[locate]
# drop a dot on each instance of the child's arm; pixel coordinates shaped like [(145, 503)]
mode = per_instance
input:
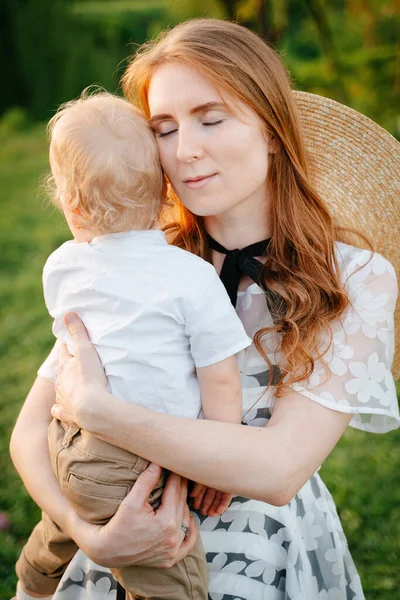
[(221, 398), (216, 335), (221, 391)]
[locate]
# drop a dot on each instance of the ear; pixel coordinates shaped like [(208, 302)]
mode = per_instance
[(65, 202), (270, 139), (272, 143), (73, 215), (75, 218)]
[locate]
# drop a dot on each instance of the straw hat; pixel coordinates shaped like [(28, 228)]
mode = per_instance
[(356, 167)]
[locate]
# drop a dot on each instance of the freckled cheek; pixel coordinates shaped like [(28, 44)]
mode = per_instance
[(242, 148), (252, 155), (241, 159), (246, 171)]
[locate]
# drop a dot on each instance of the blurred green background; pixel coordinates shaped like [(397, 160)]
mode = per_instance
[(49, 51)]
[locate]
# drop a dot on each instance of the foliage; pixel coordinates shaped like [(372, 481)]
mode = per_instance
[(346, 50), (52, 49), (186, 9), (14, 119)]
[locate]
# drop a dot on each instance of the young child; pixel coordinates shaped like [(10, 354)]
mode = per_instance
[(160, 319)]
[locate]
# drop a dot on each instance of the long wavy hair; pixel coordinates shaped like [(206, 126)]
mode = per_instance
[(301, 266)]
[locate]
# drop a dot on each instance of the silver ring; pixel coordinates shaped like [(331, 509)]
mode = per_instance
[(185, 529)]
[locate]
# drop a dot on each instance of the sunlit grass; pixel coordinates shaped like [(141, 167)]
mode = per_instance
[(30, 230)]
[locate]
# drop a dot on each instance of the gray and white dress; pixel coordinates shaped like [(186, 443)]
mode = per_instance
[(256, 551)]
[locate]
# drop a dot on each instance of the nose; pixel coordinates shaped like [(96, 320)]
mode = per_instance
[(189, 147)]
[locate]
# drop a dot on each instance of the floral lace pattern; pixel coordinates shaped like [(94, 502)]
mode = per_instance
[(361, 354), (256, 551)]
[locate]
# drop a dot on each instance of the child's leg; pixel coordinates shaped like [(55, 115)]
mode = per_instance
[(187, 580), (44, 558), (48, 550), (95, 477), (22, 595)]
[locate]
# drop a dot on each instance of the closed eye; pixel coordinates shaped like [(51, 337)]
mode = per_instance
[(211, 123), (206, 124), (161, 135)]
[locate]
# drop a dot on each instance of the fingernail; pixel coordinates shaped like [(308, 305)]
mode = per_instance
[(70, 318), (152, 468)]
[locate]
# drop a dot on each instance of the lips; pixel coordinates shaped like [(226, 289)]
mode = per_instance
[(199, 178), (195, 183)]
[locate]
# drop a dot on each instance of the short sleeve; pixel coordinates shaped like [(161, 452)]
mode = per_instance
[(359, 360), (215, 331), (57, 290), (48, 369)]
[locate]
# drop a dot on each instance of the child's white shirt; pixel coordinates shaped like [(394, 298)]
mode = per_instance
[(153, 311)]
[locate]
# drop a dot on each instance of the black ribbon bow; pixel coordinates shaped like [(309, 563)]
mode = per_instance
[(238, 262)]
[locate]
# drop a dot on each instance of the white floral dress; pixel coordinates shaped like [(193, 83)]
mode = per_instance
[(256, 551)]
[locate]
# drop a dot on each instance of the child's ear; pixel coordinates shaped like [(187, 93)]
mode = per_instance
[(76, 218), (73, 215)]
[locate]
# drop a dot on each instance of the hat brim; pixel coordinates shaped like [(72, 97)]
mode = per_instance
[(355, 165)]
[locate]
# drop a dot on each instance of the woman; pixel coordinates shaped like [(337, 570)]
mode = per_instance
[(230, 143)]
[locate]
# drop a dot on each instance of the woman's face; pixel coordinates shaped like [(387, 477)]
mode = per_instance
[(215, 160)]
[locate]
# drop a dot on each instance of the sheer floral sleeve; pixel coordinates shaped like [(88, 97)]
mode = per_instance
[(359, 360)]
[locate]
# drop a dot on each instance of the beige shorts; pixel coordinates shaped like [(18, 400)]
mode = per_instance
[(95, 477)]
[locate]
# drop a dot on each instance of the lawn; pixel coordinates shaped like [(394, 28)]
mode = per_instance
[(362, 473)]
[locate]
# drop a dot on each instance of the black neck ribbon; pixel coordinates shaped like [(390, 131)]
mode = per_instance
[(242, 262), (238, 262)]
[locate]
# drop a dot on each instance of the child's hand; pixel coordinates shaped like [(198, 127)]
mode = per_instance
[(210, 502)]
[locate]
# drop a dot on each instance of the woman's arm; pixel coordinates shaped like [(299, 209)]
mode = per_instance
[(136, 534), (30, 454), (269, 464)]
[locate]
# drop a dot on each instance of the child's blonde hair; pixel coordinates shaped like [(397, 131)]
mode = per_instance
[(105, 164)]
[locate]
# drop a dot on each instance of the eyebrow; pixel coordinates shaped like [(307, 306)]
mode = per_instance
[(197, 109)]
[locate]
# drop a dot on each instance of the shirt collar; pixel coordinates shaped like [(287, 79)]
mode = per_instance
[(152, 237)]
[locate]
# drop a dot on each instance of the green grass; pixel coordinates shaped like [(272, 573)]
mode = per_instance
[(29, 232), (362, 473)]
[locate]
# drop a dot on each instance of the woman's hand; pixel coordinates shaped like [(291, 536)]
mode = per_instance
[(80, 379), (137, 534)]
